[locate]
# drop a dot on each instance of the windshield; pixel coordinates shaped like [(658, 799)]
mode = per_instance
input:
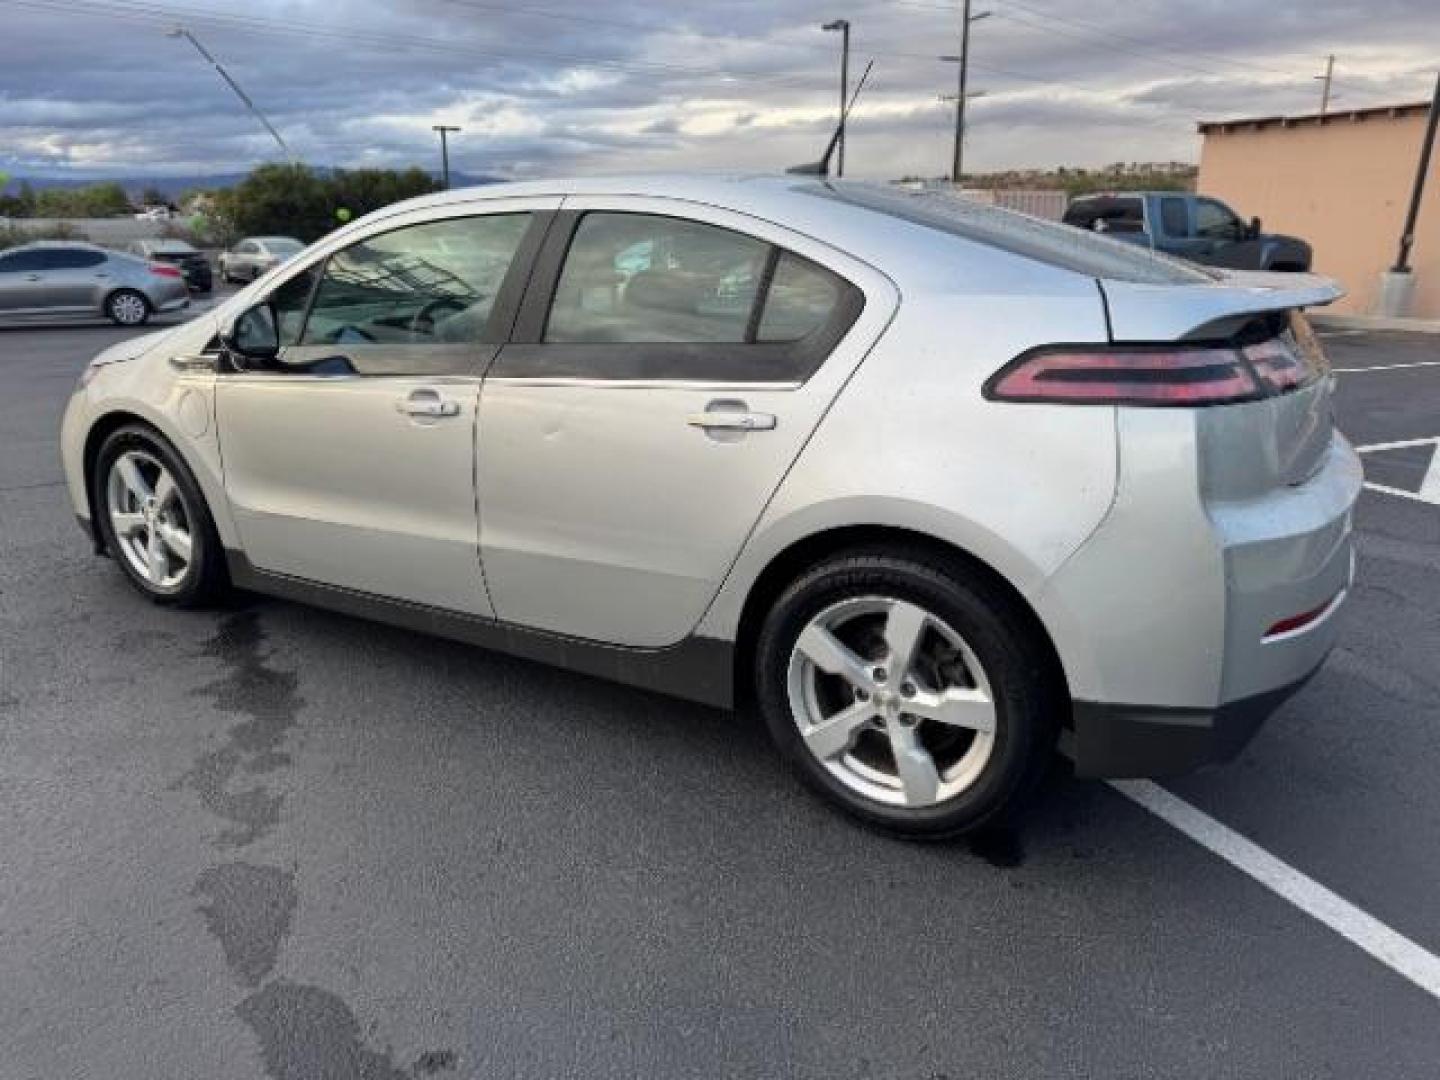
[(1048, 242), (282, 245)]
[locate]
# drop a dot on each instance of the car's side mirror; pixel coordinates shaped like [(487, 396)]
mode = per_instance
[(255, 333), (1254, 228)]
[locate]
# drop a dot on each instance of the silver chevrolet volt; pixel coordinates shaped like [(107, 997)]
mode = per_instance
[(936, 487)]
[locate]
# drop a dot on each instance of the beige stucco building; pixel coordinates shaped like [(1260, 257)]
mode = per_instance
[(1342, 182)]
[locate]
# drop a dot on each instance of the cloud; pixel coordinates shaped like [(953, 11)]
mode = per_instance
[(750, 84)]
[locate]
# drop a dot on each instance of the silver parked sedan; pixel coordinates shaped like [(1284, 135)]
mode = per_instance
[(255, 255), (65, 278), (938, 487)]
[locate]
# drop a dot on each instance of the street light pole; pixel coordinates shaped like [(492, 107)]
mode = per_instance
[(1417, 193), (963, 60), (1325, 81), (181, 32), (444, 130), (843, 25)]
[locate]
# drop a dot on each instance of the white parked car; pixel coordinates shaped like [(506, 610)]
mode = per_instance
[(938, 486), (255, 255)]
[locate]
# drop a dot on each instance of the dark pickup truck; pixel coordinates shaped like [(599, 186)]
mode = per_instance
[(1194, 227)]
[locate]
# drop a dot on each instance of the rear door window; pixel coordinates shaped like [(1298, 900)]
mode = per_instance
[(801, 299), (641, 297), (1175, 216), (75, 259), (641, 278), (66, 259)]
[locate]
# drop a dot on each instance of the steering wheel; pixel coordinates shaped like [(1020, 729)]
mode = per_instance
[(423, 321)]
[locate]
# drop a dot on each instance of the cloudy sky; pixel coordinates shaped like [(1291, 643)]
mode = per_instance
[(562, 86)]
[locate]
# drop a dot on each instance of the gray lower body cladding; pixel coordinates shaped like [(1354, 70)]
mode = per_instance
[(1140, 741)]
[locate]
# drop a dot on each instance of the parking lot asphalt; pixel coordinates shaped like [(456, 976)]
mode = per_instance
[(269, 841)]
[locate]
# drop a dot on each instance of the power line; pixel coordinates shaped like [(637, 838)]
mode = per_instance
[(157, 14), (1103, 37)]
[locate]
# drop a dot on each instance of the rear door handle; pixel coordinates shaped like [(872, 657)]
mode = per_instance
[(730, 419), (427, 403), (32, 277)]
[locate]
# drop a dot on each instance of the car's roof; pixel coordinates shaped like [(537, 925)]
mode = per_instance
[(1130, 194), (31, 244)]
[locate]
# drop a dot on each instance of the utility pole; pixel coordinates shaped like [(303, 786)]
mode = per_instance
[(444, 130), (1407, 238), (963, 60), (843, 25), (181, 32), (1325, 81)]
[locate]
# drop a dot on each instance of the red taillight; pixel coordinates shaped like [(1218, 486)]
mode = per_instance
[(1127, 375), (163, 270)]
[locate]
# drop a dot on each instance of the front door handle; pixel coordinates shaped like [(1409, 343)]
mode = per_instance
[(32, 277), (428, 404), (731, 416)]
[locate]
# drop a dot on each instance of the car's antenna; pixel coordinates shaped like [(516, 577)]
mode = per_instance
[(822, 167)]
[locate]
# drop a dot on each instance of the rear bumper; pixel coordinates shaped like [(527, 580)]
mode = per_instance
[(1176, 622), (1138, 740)]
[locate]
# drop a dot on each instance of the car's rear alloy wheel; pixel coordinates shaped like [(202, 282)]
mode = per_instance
[(890, 699), (917, 696), (128, 308), (150, 519), (154, 520)]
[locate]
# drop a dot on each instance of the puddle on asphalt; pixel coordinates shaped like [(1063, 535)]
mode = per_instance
[(305, 1032)]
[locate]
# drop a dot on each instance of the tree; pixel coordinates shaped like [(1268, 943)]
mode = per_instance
[(295, 200), (288, 200), (363, 190), (95, 200), (153, 196)]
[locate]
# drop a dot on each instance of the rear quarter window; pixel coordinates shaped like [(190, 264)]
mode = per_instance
[(1048, 242)]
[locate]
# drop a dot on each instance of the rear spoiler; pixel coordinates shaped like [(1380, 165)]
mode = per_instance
[(1208, 311)]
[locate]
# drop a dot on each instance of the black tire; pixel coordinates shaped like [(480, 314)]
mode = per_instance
[(1028, 695), (205, 579), (120, 304)]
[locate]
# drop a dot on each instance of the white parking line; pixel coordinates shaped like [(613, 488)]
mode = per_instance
[(1392, 949), (1385, 367), (1429, 492)]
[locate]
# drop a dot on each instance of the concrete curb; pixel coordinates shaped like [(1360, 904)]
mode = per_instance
[(1321, 321)]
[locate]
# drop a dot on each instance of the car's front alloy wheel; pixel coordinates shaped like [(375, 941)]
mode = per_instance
[(910, 692), (150, 519), (154, 520)]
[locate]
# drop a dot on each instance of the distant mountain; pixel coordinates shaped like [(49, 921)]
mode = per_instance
[(173, 186)]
